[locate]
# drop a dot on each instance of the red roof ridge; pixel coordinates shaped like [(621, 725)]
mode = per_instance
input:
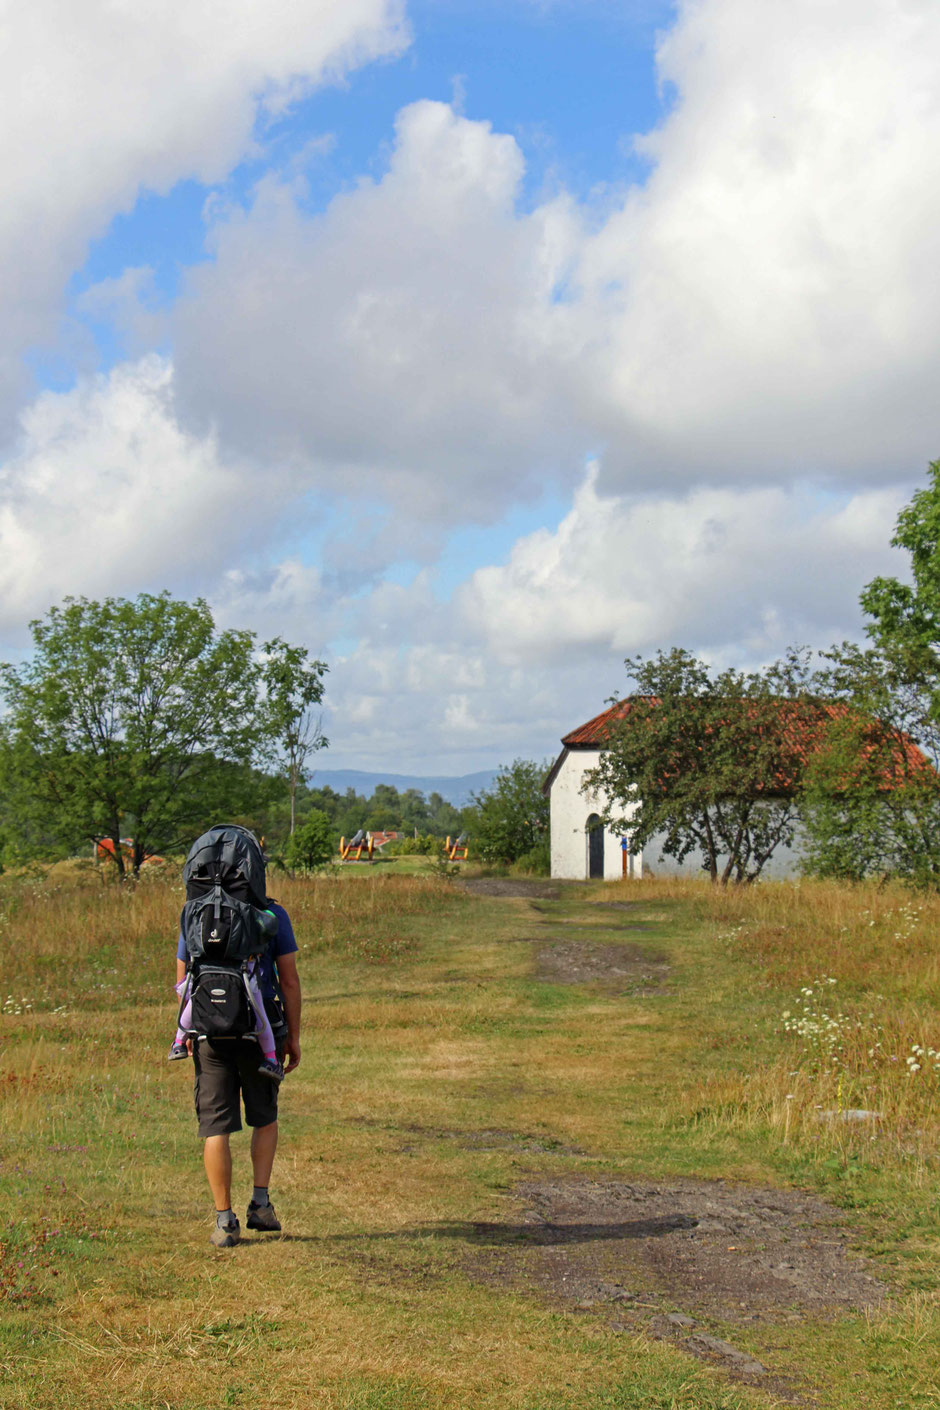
[(595, 732)]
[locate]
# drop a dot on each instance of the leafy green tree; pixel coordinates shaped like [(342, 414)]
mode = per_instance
[(415, 814), (311, 844), (905, 617), (872, 804), (326, 799), (511, 818), (872, 794), (351, 813), (130, 717), (709, 762), (444, 819), (386, 810), (871, 799), (294, 688)]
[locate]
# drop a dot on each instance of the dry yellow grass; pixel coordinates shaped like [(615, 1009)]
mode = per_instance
[(408, 1045), (856, 973)]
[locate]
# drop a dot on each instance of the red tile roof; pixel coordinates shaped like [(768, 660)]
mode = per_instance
[(595, 732), (908, 758)]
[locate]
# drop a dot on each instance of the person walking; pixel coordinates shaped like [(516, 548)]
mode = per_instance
[(227, 1075)]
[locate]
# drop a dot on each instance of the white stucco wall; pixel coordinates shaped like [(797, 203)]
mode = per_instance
[(784, 865), (570, 810)]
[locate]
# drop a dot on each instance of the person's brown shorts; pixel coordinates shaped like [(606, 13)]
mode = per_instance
[(227, 1071)]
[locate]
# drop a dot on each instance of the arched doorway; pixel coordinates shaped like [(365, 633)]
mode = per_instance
[(595, 847)]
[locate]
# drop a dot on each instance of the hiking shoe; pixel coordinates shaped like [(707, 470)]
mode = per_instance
[(270, 1069), (178, 1052), (262, 1216), (226, 1235)]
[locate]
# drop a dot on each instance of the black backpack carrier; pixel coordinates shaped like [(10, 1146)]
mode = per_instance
[(224, 922)]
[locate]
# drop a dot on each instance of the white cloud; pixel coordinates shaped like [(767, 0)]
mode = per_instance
[(765, 307), (763, 316), (736, 573), (98, 101), (531, 647), (415, 710), (287, 599), (393, 341), (776, 307), (106, 494)]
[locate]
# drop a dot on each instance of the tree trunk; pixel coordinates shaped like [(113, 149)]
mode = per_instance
[(729, 867), (710, 852), (733, 858), (115, 836)]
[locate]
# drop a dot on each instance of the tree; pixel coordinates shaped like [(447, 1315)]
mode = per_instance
[(446, 820), (414, 811), (311, 845), (871, 795), (904, 617), (350, 813), (294, 686), (131, 716), (872, 803), (512, 816), (708, 762)]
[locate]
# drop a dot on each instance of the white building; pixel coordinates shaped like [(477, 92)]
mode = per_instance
[(582, 848)]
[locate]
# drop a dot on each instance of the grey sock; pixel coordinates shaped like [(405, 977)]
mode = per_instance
[(260, 1195), (225, 1218)]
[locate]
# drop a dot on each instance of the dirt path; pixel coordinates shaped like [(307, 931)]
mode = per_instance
[(619, 964), (672, 1258), (669, 1258), (511, 887)]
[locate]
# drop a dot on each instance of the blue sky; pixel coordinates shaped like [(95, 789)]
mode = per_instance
[(573, 82), (299, 276)]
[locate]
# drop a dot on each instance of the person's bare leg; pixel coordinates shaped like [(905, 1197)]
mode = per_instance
[(263, 1146), (217, 1158)]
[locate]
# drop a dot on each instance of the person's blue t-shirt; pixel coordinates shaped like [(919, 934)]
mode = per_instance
[(283, 943)]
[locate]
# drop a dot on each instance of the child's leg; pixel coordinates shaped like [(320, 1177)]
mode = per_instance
[(184, 989), (263, 1031)]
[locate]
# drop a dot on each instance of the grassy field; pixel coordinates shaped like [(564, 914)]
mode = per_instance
[(469, 1060)]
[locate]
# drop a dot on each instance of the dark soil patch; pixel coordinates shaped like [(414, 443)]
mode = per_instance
[(619, 964), (740, 1251), (513, 887), (633, 1254)]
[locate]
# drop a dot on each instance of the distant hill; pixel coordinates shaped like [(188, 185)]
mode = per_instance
[(455, 790)]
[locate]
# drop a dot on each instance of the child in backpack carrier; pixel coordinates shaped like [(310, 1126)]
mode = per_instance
[(269, 1065)]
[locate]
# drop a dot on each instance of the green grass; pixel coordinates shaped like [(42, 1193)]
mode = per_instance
[(421, 1021)]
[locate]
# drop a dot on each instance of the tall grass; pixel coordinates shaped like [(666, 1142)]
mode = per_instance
[(76, 938), (842, 983), (848, 976), (365, 917), (110, 1295)]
